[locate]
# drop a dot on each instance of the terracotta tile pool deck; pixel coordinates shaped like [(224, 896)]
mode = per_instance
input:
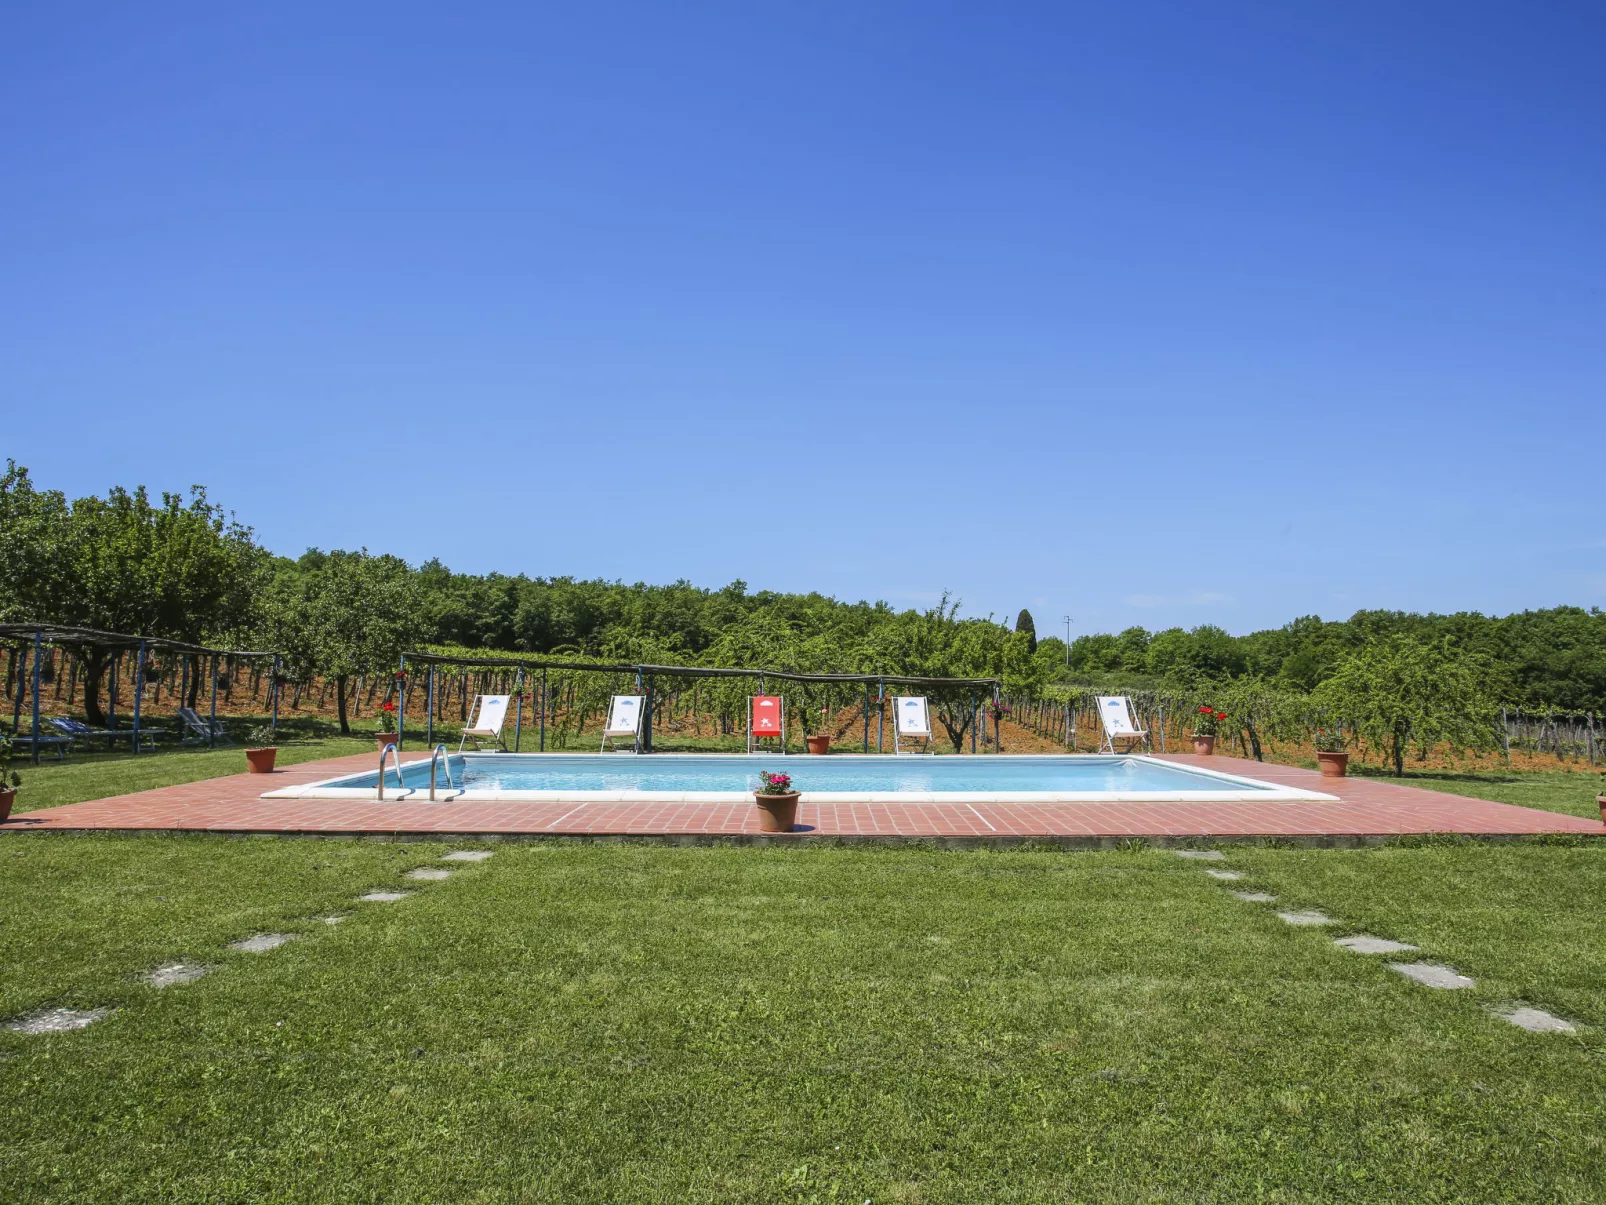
[(1367, 810)]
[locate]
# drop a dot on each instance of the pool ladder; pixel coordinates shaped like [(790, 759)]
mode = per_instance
[(443, 757), (390, 749)]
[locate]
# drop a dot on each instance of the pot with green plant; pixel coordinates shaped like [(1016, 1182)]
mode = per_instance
[(386, 733), (10, 780), (1601, 799), (819, 740), (777, 802), (261, 750), (1331, 755), (1206, 727)]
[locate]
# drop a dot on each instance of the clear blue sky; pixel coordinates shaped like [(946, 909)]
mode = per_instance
[(1159, 314)]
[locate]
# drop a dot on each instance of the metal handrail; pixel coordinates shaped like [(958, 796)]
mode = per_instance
[(440, 755), (400, 783)]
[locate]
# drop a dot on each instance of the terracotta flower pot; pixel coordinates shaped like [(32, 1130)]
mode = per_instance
[(384, 738), (1204, 746), (1600, 799), (7, 798), (261, 760), (1334, 765), (777, 813), (820, 743)]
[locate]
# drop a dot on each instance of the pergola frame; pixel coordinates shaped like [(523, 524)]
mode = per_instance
[(35, 636), (644, 673)]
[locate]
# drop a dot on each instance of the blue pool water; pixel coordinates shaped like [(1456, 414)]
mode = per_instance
[(728, 772)]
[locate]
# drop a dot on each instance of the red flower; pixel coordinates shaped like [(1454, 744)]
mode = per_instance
[(1205, 711), (390, 707)]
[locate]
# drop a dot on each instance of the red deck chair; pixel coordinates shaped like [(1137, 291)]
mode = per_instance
[(766, 720)]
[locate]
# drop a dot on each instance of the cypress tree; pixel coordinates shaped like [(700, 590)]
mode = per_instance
[(1023, 623)]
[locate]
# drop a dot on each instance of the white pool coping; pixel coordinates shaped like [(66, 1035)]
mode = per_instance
[(1232, 789)]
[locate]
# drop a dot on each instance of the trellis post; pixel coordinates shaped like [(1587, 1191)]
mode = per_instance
[(867, 715), (429, 706), (518, 715), (139, 694), (543, 709), (401, 704), (646, 723), (275, 720), (37, 641), (880, 711), (211, 728)]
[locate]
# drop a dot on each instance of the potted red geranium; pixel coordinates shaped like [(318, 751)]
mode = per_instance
[(1206, 726), (777, 802), (386, 733)]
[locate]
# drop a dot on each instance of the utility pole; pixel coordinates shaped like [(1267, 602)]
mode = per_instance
[(1067, 619)]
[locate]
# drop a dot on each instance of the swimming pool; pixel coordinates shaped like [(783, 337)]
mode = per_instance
[(839, 778)]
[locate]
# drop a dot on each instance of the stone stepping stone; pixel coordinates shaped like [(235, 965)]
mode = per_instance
[(430, 874), (1201, 855), (384, 897), (171, 974), (1254, 897), (261, 943), (58, 1020), (1364, 944), (1307, 916), (1537, 1020), (1224, 875), (333, 918), (1429, 975), (467, 855)]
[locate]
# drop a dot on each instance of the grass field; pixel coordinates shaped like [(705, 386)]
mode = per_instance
[(1550, 790), (618, 1023), (607, 1023)]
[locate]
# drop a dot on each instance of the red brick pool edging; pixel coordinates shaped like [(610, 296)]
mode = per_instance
[(1366, 810)]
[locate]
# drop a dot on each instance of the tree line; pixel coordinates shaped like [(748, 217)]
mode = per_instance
[(179, 566), (1543, 658)]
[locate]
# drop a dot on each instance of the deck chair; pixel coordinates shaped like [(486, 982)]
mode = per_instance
[(25, 739), (766, 720), (913, 714), (1115, 714), (624, 720), (77, 730), (201, 728), (490, 713)]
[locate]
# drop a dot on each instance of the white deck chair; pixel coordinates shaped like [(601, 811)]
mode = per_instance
[(1115, 714), (490, 713), (913, 721), (201, 728), (624, 719)]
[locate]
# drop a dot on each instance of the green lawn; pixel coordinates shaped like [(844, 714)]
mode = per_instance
[(1551, 791), (646, 1023), (94, 774)]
